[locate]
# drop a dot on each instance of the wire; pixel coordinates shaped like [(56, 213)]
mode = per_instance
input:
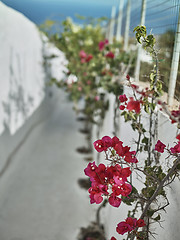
[(161, 26), (158, 19), (151, 14), (158, 4)]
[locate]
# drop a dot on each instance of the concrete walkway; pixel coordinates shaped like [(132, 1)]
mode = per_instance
[(39, 195)]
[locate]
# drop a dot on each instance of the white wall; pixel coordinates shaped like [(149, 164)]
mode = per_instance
[(22, 72)]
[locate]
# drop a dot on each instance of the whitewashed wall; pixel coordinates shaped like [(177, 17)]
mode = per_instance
[(110, 215), (22, 72)]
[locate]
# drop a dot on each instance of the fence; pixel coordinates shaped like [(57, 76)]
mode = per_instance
[(161, 18)]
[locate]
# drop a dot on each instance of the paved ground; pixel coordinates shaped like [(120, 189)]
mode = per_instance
[(39, 195)]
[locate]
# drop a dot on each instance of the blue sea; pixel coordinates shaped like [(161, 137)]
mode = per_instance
[(161, 15)]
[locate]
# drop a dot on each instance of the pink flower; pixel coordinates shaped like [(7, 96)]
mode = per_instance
[(123, 98), (123, 227), (115, 140), (127, 77), (83, 60), (79, 89), (132, 222), (103, 144), (113, 238), (134, 105), (178, 137), (121, 107), (90, 170), (140, 223), (88, 58), (98, 145), (107, 142), (176, 148), (82, 54), (95, 195), (159, 147), (96, 98), (126, 189), (89, 82), (129, 225), (114, 201), (110, 55), (102, 44)]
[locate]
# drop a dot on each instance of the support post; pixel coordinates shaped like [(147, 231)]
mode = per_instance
[(138, 61), (119, 21), (174, 65), (127, 26), (112, 24)]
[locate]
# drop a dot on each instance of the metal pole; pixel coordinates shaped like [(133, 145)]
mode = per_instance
[(119, 21), (107, 30), (138, 61), (126, 34), (112, 24), (174, 64)]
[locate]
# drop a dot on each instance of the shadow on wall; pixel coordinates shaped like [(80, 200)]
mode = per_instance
[(18, 104)]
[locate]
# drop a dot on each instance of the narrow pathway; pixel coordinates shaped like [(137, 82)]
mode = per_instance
[(39, 195)]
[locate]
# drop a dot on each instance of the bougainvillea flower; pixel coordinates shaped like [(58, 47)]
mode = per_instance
[(123, 98), (90, 170), (97, 98), (130, 157), (121, 107), (123, 227), (129, 225), (125, 172), (134, 105), (113, 238), (98, 145), (178, 137), (114, 200), (126, 189), (176, 148), (95, 195), (119, 148), (115, 140), (110, 55), (83, 60), (88, 58), (159, 147), (82, 54), (140, 223), (176, 116), (127, 77), (107, 142), (102, 44), (132, 222), (100, 171)]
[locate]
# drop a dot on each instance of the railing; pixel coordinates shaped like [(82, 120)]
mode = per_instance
[(159, 17)]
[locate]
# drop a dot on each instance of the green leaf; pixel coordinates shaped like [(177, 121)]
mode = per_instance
[(157, 218)]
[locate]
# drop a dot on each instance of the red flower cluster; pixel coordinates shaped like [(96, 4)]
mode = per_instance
[(131, 105), (160, 146), (110, 181), (178, 137), (102, 44), (176, 116), (84, 57), (176, 148), (129, 225), (110, 55), (124, 153)]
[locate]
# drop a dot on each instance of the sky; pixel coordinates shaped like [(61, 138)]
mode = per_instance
[(161, 15), (40, 10)]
